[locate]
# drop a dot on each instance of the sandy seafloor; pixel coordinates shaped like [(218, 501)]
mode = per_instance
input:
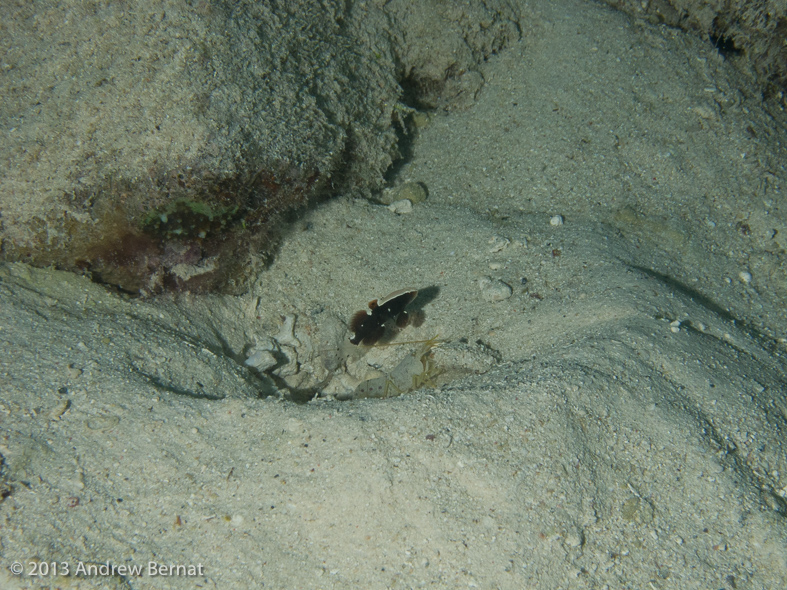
[(615, 420)]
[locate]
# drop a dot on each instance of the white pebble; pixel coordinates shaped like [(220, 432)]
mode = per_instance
[(745, 276), (498, 243), (556, 220), (574, 538), (236, 520), (262, 360), (286, 334), (401, 207), (494, 290)]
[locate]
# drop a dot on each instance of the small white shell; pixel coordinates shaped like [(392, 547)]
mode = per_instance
[(262, 360), (401, 207), (498, 243), (494, 290)]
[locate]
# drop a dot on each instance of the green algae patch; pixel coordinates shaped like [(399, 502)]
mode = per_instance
[(189, 219)]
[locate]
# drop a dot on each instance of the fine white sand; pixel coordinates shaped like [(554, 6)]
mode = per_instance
[(605, 408)]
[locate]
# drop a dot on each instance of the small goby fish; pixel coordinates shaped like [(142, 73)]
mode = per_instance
[(369, 326)]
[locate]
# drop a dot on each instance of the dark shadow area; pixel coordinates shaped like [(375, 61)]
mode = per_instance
[(725, 46), (425, 297), (406, 134), (763, 340)]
